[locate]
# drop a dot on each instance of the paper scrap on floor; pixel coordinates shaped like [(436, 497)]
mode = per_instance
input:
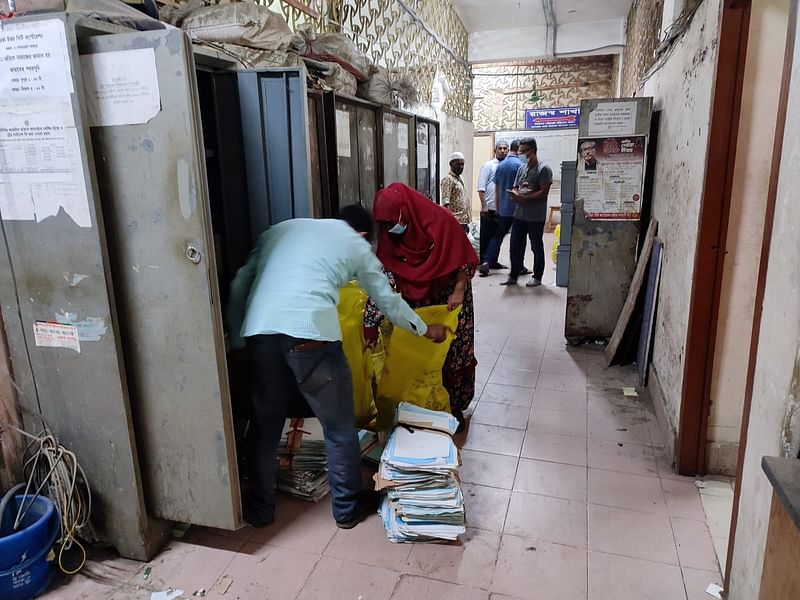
[(714, 590), (417, 416), (169, 594)]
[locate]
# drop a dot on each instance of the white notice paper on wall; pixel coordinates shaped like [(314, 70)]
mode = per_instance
[(343, 133), (56, 335), (422, 156), (16, 202), (33, 146), (35, 61), (121, 87), (613, 118), (41, 169), (402, 136)]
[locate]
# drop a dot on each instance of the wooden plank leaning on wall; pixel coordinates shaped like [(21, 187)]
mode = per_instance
[(11, 443)]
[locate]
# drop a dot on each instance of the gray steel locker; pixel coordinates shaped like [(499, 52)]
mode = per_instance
[(399, 147), (147, 404), (155, 201), (275, 113), (55, 273)]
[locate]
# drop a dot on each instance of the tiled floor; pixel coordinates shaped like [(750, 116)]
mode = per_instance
[(567, 493), (717, 496)]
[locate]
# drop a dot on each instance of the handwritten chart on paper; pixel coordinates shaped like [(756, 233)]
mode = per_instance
[(35, 61), (121, 87)]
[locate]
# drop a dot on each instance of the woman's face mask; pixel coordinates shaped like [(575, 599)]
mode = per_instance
[(399, 227)]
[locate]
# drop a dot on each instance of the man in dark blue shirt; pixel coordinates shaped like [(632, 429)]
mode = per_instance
[(504, 177)]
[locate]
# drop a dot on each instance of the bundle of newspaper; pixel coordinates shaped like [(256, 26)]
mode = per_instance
[(419, 470), (302, 462)]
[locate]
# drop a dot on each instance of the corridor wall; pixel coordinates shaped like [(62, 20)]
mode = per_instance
[(682, 90)]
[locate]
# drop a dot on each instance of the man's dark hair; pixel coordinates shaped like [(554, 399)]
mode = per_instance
[(359, 218), (530, 143), (514, 146)]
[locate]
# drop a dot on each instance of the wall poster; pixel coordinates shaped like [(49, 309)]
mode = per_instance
[(610, 177)]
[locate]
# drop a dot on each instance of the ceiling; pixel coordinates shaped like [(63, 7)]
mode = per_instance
[(491, 15)]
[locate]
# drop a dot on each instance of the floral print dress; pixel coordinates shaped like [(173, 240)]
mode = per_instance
[(458, 372)]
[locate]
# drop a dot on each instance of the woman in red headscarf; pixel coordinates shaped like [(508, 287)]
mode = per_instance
[(426, 252)]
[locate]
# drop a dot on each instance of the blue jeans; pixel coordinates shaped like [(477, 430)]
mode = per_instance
[(519, 231), (492, 253), (323, 377)]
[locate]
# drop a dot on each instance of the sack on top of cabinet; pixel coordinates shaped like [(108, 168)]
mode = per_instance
[(333, 47), (389, 88), (326, 76), (112, 11), (240, 23)]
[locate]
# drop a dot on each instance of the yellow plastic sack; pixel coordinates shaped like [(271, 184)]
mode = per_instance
[(412, 370), (352, 300), (554, 249)]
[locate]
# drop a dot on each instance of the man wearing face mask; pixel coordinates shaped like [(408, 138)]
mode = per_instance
[(454, 192), (283, 303)]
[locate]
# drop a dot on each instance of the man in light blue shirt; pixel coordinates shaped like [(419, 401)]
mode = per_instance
[(283, 302), (487, 193)]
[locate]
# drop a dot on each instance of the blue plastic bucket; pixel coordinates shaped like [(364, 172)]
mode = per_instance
[(24, 570)]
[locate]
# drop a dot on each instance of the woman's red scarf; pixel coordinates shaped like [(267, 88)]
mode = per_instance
[(433, 246)]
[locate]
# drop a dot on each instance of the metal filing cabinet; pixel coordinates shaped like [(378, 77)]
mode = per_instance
[(398, 147), (568, 170), (351, 127), (427, 148), (173, 205)]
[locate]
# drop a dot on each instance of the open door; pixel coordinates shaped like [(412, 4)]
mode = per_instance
[(156, 211)]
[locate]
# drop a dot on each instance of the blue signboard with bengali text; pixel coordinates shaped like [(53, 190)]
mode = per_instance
[(552, 118)]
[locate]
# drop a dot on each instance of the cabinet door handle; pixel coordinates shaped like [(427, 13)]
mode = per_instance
[(193, 254)]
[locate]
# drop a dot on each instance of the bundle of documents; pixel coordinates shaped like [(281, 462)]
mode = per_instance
[(419, 470), (416, 416), (302, 462)]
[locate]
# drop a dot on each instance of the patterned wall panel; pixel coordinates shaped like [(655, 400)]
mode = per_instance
[(642, 34), (504, 91), (299, 19), (411, 43)]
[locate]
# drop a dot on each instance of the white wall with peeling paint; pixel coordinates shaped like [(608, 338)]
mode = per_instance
[(682, 90)]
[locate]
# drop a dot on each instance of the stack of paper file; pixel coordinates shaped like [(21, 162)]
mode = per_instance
[(419, 470), (303, 464), (416, 416)]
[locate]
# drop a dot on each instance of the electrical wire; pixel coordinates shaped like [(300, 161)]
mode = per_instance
[(672, 36), (48, 465)]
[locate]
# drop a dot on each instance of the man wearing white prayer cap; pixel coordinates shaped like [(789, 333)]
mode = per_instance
[(454, 191)]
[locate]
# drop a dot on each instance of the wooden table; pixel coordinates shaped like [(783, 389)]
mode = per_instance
[(780, 578)]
